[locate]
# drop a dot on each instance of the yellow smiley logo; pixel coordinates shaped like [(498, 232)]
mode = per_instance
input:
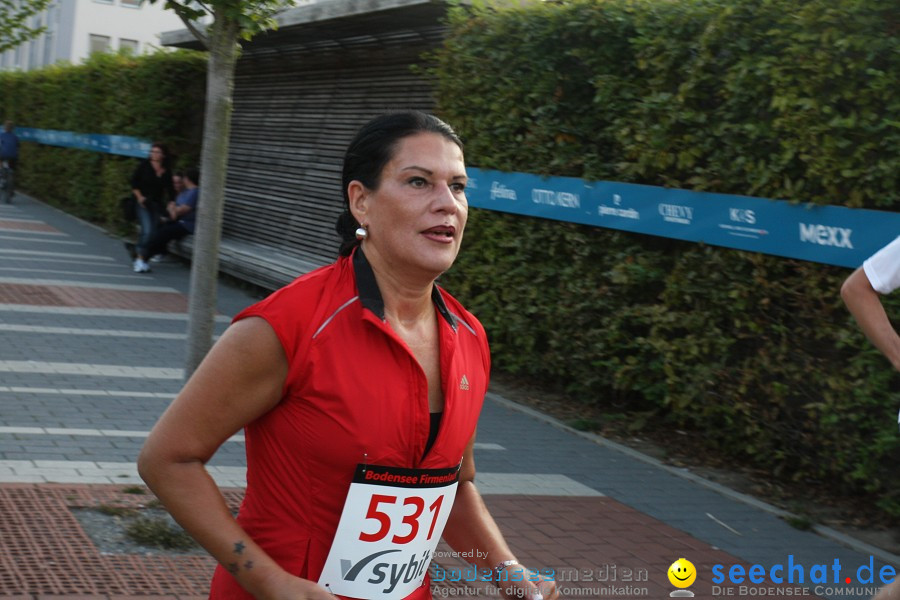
[(682, 573)]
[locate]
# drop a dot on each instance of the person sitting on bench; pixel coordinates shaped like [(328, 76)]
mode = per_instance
[(182, 212)]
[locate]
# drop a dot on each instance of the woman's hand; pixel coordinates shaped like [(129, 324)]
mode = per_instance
[(527, 585), (284, 586), (141, 199)]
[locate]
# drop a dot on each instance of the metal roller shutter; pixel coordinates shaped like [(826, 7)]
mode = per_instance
[(296, 107)]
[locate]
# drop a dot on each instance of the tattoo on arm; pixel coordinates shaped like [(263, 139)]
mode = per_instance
[(234, 567)]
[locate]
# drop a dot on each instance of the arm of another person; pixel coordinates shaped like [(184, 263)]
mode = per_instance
[(186, 204), (169, 186), (180, 210), (471, 527), (136, 179), (240, 379), (865, 306)]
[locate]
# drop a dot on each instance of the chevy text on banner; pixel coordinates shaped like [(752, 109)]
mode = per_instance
[(833, 235)]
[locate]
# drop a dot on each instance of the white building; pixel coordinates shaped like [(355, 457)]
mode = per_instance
[(76, 28)]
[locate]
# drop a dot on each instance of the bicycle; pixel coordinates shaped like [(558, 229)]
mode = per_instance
[(6, 182)]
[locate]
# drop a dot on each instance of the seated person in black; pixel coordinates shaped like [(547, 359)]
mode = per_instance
[(182, 218)]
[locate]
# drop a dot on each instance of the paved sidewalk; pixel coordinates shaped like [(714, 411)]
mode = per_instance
[(91, 354)]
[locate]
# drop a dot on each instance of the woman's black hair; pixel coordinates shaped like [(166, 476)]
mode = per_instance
[(193, 174), (167, 157), (372, 149)]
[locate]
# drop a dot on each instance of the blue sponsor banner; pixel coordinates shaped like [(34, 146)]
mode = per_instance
[(109, 144), (832, 235)]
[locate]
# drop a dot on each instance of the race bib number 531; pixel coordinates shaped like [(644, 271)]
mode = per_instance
[(391, 523)]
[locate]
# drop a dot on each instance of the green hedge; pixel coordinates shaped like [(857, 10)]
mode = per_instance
[(774, 98), (157, 97)]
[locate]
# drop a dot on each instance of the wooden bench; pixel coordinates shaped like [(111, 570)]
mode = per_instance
[(259, 264)]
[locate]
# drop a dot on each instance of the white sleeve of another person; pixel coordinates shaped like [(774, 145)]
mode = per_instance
[(883, 268)]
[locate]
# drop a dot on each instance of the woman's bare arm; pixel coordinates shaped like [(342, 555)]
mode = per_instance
[(865, 305), (240, 379), (471, 527)]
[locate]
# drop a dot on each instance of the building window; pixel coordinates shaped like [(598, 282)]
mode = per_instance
[(130, 46), (104, 1), (131, 3), (34, 51), (98, 43), (48, 47), (50, 22)]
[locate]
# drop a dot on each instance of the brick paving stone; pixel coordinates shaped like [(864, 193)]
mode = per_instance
[(54, 555), (69, 597), (29, 455), (121, 597), (45, 529), (26, 226), (56, 295), (606, 546)]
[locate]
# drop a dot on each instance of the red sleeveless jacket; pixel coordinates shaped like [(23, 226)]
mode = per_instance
[(354, 394)]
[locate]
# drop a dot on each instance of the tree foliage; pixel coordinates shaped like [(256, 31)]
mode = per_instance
[(16, 21), (774, 98), (249, 16), (231, 21)]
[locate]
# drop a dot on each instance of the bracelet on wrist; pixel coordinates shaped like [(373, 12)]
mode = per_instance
[(502, 567)]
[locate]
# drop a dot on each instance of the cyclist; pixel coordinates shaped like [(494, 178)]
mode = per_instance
[(9, 156)]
